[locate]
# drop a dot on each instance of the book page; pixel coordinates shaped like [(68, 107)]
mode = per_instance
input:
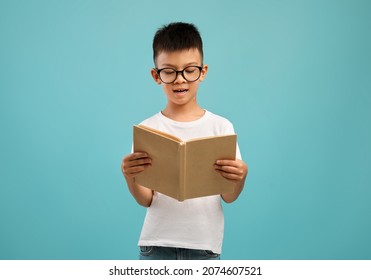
[(159, 132)]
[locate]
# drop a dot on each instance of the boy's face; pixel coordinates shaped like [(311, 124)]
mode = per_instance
[(181, 91)]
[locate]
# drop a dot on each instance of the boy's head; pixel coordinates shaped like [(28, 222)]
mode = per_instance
[(178, 57), (177, 36)]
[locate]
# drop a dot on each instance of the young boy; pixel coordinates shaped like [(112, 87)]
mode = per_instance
[(192, 229)]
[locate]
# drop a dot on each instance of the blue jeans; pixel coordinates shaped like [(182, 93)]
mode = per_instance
[(169, 253)]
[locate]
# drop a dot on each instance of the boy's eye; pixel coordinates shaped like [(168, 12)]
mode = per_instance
[(190, 71), (168, 71)]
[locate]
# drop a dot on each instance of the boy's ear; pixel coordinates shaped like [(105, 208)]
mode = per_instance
[(204, 72), (155, 76)]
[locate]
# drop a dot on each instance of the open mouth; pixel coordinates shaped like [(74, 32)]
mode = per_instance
[(180, 91)]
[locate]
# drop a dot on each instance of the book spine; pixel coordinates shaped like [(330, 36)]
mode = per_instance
[(182, 171)]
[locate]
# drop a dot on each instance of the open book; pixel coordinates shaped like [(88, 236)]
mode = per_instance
[(183, 170)]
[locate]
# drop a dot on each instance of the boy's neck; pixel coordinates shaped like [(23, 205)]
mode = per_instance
[(183, 114)]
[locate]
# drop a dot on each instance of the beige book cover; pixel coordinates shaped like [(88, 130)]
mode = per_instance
[(183, 170)]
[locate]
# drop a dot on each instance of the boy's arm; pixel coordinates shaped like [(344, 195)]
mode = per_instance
[(236, 171), (132, 165)]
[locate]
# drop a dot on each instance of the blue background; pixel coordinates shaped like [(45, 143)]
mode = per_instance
[(293, 76)]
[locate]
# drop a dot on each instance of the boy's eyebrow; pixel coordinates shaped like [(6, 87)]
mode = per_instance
[(174, 66)]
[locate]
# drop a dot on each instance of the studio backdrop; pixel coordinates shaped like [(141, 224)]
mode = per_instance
[(294, 77)]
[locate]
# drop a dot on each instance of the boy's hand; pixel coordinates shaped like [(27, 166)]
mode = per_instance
[(135, 163), (132, 165), (234, 170)]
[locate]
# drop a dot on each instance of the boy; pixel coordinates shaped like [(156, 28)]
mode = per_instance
[(192, 229)]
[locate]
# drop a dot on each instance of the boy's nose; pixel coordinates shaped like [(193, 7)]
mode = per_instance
[(179, 78)]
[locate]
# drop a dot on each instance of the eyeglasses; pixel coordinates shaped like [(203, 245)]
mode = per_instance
[(169, 75)]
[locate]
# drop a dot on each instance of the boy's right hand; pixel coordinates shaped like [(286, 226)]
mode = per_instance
[(135, 163)]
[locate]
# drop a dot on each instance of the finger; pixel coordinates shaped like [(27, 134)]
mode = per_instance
[(137, 169), (227, 162), (134, 156), (128, 163), (141, 161), (230, 172), (138, 155), (131, 159), (228, 169), (133, 171), (229, 176), (136, 163)]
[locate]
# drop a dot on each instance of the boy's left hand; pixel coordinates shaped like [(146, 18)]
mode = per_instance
[(234, 170)]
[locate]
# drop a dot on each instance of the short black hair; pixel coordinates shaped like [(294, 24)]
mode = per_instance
[(176, 36)]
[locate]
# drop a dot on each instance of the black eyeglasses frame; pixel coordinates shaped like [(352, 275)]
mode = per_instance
[(158, 71)]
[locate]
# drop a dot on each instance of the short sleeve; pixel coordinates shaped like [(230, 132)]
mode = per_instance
[(229, 129)]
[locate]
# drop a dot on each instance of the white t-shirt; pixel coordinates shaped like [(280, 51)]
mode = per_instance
[(196, 223)]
